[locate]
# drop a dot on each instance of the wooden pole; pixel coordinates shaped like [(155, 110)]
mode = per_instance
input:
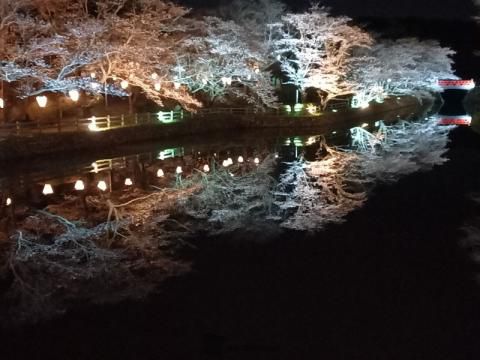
[(105, 94), (130, 103)]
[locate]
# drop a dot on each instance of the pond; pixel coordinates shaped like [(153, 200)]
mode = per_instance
[(297, 245)]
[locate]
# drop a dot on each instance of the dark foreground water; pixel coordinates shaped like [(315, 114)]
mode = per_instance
[(390, 283)]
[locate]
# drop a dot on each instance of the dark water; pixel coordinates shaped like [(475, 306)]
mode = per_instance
[(390, 283), (23, 183)]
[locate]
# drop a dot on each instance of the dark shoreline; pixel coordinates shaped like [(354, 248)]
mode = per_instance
[(63, 144)]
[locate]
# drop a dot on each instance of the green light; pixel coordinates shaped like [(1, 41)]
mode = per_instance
[(298, 107)]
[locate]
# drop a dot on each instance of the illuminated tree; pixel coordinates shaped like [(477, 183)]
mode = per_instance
[(57, 44), (225, 63), (402, 67), (316, 49)]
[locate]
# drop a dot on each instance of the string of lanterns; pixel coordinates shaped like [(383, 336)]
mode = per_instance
[(79, 185)]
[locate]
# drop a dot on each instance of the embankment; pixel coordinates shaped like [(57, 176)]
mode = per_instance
[(17, 147)]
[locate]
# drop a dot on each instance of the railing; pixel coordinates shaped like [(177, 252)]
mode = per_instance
[(91, 124), (166, 117)]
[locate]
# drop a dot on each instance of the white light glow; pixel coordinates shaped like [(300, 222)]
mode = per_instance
[(2, 103), (93, 124), (176, 85), (42, 101), (160, 173), (124, 84), (225, 163), (74, 95), (240, 159), (8, 202), (157, 86), (312, 109), (178, 170), (102, 185), (364, 125), (226, 80), (93, 75), (128, 182), (256, 160), (79, 185), (47, 189), (206, 168), (154, 76)]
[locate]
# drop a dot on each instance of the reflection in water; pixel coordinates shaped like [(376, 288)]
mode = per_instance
[(315, 193), (71, 228)]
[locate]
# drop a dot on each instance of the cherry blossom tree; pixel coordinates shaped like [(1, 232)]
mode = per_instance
[(59, 43), (225, 63), (316, 49), (402, 67)]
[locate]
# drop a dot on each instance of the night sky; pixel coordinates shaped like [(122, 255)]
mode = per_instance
[(458, 9)]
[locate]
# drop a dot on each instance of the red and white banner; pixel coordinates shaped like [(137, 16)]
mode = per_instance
[(455, 120), (457, 84)]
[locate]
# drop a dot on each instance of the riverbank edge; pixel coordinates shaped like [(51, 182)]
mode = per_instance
[(21, 147)]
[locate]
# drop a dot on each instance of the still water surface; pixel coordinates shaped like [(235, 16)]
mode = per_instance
[(391, 282)]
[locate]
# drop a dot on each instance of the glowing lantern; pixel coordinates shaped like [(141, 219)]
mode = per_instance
[(2, 103), (79, 185), (128, 182), (102, 185), (47, 189), (8, 202), (240, 159), (206, 168), (157, 86), (160, 173), (225, 163), (226, 80), (41, 101), (74, 95), (124, 84), (154, 76), (256, 161), (178, 170), (230, 161)]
